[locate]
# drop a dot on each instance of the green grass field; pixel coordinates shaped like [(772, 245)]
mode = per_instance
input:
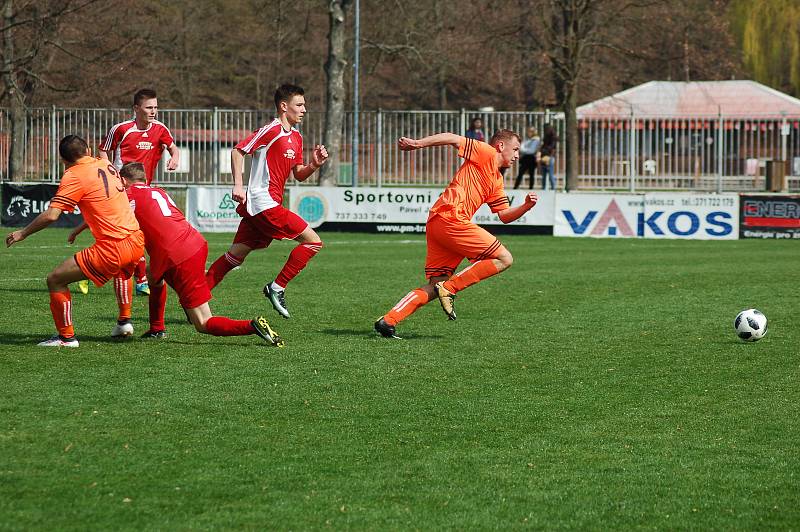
[(597, 384)]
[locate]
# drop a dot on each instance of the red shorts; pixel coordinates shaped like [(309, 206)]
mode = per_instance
[(111, 258), (450, 242), (277, 223), (188, 279)]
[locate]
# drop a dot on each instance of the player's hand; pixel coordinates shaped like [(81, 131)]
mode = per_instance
[(172, 164), (238, 194), (14, 237), (407, 144), (72, 236), (319, 156), (530, 199)]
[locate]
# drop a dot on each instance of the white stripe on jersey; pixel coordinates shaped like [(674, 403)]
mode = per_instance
[(260, 133), (110, 137)]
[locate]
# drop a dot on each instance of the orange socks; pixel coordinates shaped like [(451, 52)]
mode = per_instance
[(471, 275), (406, 306), (61, 307), (123, 288)]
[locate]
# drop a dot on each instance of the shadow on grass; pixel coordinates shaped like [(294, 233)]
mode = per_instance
[(242, 341), (370, 333)]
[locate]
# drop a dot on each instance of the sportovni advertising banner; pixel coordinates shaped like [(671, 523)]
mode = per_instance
[(650, 215), (22, 203), (402, 210), (768, 216)]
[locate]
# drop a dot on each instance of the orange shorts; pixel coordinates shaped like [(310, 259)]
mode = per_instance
[(450, 242), (111, 258)]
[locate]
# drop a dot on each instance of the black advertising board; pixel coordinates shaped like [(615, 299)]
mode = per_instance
[(22, 203), (769, 216)]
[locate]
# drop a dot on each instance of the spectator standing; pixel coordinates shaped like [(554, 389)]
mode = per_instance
[(547, 157), (475, 130), (529, 156)]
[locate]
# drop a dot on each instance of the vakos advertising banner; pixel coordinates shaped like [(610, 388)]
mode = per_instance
[(23, 203), (651, 215), (401, 210), (770, 216)]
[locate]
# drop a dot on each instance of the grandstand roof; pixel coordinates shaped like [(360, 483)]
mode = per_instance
[(674, 99)]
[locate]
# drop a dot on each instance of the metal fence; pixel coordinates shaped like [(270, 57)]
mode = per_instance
[(703, 153)]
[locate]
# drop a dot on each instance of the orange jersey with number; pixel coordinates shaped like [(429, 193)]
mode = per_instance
[(95, 186), (476, 182)]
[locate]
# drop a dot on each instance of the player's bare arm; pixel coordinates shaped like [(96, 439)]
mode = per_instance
[(318, 157), (237, 167), (440, 139), (104, 155), (40, 222), (174, 154), (512, 213), (75, 232)]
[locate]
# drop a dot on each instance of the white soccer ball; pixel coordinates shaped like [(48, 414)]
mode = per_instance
[(750, 325)]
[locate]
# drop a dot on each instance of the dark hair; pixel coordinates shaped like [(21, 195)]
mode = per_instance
[(285, 92), (549, 134), (472, 122), (133, 172), (142, 95), (72, 147), (503, 135)]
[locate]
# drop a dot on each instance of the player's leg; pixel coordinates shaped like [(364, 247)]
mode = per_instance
[(487, 255), (440, 262), (248, 237), (309, 244), (123, 290), (61, 303), (205, 322), (140, 275), (157, 303)]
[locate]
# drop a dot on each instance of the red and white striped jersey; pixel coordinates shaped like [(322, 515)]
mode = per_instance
[(131, 144), (275, 153)]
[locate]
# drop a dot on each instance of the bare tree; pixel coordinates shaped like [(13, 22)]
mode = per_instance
[(335, 93), (31, 43)]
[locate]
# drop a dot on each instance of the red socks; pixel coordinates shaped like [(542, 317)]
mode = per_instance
[(221, 266), (123, 288), (140, 271), (406, 306), (471, 275), (61, 307), (298, 259), (157, 302), (222, 326)]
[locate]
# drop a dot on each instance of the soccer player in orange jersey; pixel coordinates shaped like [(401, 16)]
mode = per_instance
[(95, 187), (450, 233)]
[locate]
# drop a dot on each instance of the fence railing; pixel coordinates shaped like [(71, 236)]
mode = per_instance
[(703, 153)]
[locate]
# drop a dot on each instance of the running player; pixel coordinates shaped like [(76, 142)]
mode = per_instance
[(178, 256), (450, 233), (95, 187), (277, 150), (141, 139)]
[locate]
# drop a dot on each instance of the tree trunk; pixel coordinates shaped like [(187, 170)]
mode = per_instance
[(16, 114), (571, 137), (335, 91)]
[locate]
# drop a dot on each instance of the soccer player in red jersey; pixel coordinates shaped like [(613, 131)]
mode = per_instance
[(94, 186), (141, 139), (451, 236), (277, 150), (178, 256)]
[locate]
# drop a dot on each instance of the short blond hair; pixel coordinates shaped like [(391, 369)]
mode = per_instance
[(503, 135)]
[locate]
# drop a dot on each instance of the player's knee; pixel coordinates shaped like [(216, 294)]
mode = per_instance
[(504, 261)]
